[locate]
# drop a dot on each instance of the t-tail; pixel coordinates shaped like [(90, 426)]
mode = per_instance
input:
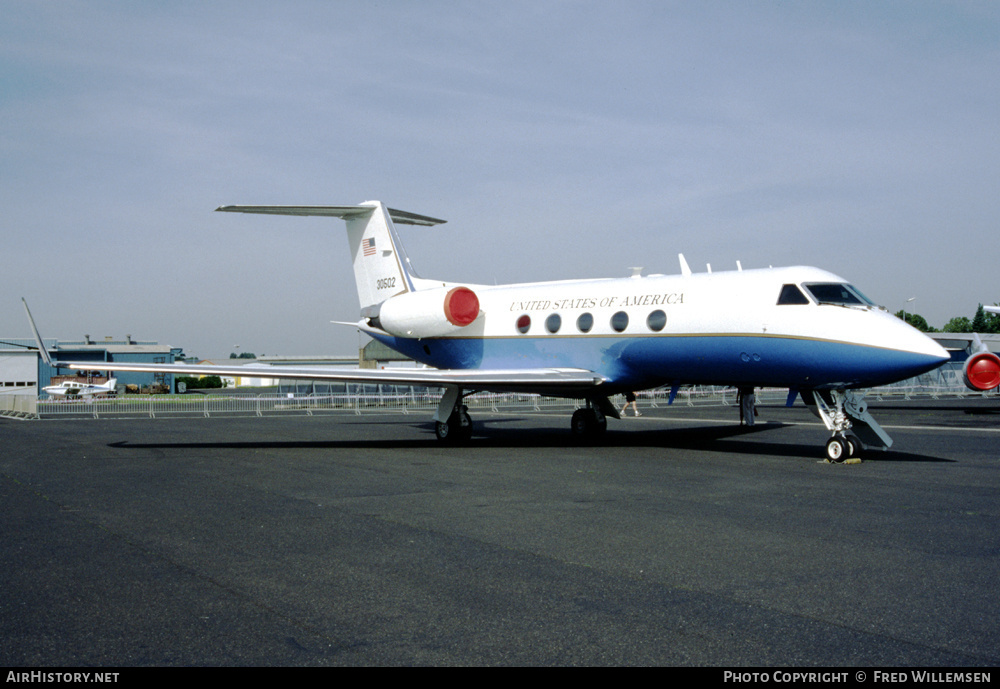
[(381, 266)]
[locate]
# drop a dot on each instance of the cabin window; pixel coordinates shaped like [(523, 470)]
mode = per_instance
[(790, 294), (585, 322), (837, 293), (656, 321), (553, 323), (619, 321), (523, 323)]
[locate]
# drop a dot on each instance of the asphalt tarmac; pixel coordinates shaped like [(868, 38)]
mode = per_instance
[(681, 539)]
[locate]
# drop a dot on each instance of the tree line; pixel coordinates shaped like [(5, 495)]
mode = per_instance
[(981, 322)]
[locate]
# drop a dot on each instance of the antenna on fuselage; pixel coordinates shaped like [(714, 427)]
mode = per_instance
[(685, 268)]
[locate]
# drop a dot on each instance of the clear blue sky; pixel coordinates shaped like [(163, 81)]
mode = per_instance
[(559, 140)]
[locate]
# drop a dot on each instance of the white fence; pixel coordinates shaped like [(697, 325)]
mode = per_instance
[(421, 401), (19, 405)]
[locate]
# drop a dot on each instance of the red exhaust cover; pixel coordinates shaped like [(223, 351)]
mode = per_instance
[(461, 306)]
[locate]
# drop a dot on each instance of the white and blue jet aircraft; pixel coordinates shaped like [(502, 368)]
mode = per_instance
[(800, 328)]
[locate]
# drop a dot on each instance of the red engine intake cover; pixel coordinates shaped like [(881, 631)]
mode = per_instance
[(982, 371), (461, 306)]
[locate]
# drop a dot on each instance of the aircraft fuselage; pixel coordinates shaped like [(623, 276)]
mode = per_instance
[(725, 328)]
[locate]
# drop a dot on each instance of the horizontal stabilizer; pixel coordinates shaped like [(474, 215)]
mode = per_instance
[(345, 212)]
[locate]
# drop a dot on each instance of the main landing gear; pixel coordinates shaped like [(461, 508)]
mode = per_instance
[(845, 414), (588, 423), (457, 428), (452, 421), (591, 422)]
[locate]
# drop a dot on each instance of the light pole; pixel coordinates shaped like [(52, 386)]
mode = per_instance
[(904, 307)]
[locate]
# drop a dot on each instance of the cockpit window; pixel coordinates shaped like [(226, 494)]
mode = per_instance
[(862, 295), (837, 293), (790, 294)]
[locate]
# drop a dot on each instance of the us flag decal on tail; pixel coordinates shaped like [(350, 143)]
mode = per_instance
[(368, 246)]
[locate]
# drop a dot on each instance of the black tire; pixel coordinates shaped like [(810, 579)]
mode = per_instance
[(458, 428), (836, 450), (587, 423)]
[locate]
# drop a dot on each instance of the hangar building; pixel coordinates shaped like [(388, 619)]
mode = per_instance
[(20, 365)]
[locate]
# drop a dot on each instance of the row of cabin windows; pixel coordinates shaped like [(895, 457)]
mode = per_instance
[(656, 321), (822, 292)]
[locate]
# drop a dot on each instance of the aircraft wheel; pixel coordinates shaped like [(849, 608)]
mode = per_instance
[(836, 449), (443, 431), (586, 423), (458, 427)]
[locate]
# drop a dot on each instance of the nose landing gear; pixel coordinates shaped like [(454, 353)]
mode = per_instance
[(845, 414)]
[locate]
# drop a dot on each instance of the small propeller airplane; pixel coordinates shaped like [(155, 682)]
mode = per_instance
[(799, 328), (68, 388)]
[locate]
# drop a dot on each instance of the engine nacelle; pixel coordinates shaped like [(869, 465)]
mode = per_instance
[(982, 371), (429, 313)]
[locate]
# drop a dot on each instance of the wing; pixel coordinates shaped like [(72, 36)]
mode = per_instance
[(557, 382)]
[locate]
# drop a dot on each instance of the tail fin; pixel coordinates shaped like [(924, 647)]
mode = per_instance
[(381, 267)]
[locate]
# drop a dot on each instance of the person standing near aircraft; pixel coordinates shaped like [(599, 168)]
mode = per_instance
[(748, 405)]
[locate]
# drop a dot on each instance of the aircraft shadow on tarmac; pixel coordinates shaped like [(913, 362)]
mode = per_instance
[(497, 434)]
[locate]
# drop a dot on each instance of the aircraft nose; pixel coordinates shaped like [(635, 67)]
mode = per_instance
[(925, 353)]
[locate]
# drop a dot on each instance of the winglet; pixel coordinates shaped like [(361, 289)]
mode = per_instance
[(38, 338)]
